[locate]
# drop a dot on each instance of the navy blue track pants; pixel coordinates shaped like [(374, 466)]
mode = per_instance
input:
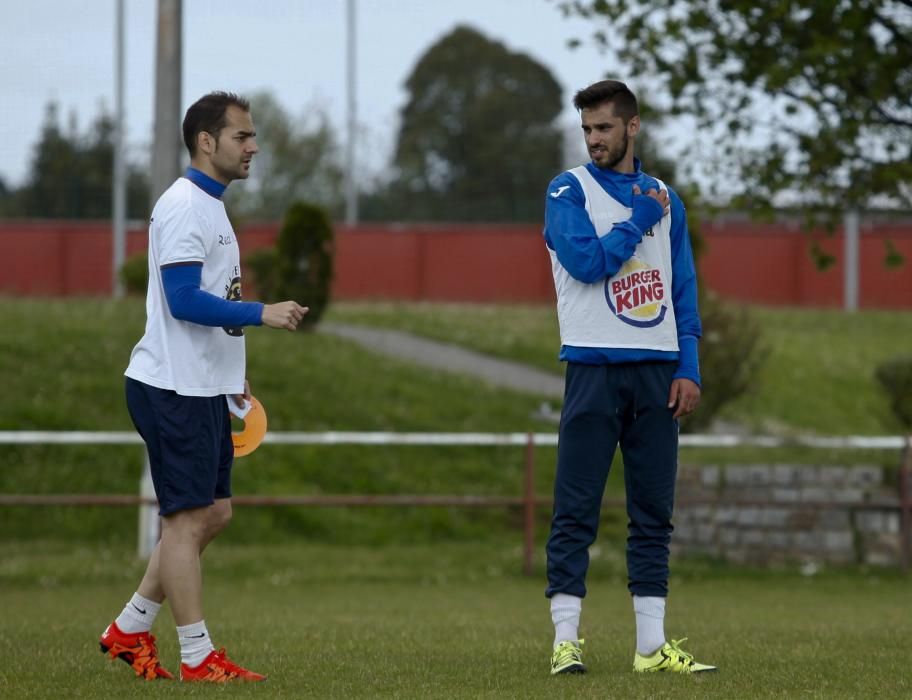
[(606, 406)]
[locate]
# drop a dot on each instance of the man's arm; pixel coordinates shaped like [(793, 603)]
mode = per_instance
[(570, 234), (684, 293), (188, 302)]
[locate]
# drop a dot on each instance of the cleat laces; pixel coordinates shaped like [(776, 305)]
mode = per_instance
[(682, 660), (567, 654), (143, 657), (221, 668), (146, 662)]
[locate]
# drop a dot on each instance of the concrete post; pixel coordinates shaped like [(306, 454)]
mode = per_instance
[(166, 141)]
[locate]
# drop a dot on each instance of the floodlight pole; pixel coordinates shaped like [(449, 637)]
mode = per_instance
[(351, 185), (119, 179), (850, 254), (166, 140), (165, 168)]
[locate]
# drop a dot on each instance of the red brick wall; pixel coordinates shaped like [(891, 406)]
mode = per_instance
[(771, 264), (760, 263)]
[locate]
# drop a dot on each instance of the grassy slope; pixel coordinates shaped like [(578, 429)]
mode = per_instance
[(63, 370), (818, 375), (63, 365)]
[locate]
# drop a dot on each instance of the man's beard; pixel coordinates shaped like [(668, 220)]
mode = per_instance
[(615, 155)]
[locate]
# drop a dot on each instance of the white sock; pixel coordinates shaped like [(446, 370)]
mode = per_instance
[(138, 615), (650, 622), (565, 614), (195, 643)]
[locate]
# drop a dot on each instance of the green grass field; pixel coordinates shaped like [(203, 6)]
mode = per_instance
[(449, 621), (418, 602)]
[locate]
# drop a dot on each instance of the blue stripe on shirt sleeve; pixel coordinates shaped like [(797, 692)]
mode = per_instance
[(188, 302)]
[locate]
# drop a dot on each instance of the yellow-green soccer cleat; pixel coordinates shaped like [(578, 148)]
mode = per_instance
[(670, 657), (567, 658)]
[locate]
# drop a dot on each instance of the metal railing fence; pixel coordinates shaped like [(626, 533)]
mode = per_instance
[(528, 501)]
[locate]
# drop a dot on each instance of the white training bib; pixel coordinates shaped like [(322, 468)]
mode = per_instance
[(633, 308)]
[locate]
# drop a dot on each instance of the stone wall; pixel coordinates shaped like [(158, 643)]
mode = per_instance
[(764, 514)]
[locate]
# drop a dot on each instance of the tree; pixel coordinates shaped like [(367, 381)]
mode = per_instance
[(298, 160), (478, 137), (70, 175), (810, 102)]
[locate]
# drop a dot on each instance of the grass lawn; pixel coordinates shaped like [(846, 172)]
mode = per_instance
[(449, 621), (417, 602)]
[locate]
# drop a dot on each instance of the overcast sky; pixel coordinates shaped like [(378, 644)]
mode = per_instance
[(63, 50)]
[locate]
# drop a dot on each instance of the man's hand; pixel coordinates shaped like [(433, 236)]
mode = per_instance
[(684, 397), (285, 314), (240, 399), (661, 196)]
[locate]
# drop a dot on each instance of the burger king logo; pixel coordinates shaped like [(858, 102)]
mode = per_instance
[(637, 294)]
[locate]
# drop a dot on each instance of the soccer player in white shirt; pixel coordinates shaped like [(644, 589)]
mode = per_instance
[(189, 359)]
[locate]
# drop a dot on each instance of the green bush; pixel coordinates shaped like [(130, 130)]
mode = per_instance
[(730, 357), (895, 376), (730, 349), (134, 273), (260, 265), (304, 264)]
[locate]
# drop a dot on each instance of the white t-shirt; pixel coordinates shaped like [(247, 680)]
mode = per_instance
[(633, 308), (189, 225)]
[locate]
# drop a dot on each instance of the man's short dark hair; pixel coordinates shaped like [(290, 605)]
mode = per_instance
[(613, 91), (208, 114)]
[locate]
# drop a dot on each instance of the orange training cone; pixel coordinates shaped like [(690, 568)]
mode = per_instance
[(251, 436)]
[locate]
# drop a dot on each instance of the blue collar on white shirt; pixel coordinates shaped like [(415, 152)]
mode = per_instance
[(212, 187)]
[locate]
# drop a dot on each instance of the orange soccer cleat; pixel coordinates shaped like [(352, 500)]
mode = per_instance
[(138, 650), (218, 668)]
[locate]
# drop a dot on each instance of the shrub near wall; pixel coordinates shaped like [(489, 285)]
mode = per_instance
[(305, 263), (135, 274), (895, 377), (300, 267)]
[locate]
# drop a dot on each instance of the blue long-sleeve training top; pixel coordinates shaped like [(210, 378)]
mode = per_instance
[(587, 258)]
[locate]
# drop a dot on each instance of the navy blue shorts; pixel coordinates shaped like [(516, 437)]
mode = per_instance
[(189, 443)]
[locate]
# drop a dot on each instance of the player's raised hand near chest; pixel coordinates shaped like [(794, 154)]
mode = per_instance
[(661, 196)]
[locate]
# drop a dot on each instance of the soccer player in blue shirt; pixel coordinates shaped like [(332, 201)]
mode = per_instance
[(627, 307)]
